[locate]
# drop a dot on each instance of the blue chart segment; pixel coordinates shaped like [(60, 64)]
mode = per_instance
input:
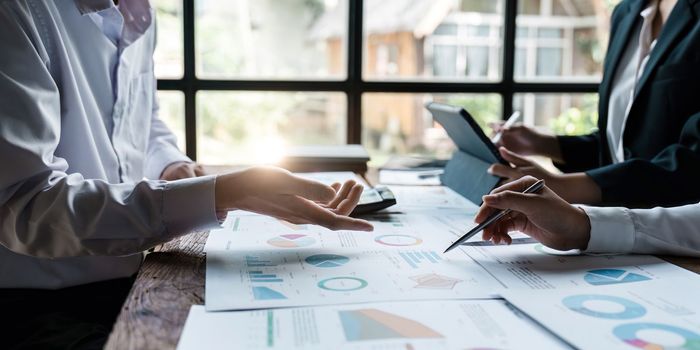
[(342, 284), (327, 260), (260, 277), (603, 277), (254, 261), (628, 334), (416, 258), (265, 293), (584, 304)]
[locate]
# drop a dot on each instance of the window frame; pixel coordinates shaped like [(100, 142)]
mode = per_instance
[(354, 86)]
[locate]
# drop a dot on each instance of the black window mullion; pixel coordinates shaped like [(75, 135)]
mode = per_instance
[(354, 80), (189, 79), (511, 13), (354, 86)]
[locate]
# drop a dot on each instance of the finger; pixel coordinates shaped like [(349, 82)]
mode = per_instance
[(342, 194), (348, 204), (199, 170), (518, 185), (336, 186), (496, 126), (501, 170), (514, 158), (309, 189), (484, 212), (324, 217), (521, 202)]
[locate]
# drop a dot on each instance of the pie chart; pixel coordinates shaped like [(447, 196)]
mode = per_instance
[(327, 260), (658, 336), (612, 276), (604, 306), (398, 240), (342, 284), (291, 241)]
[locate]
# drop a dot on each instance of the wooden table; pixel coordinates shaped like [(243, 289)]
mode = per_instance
[(170, 281)]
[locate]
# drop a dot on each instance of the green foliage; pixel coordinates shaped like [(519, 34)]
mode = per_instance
[(578, 121), (484, 108)]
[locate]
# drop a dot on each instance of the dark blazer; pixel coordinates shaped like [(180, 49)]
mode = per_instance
[(662, 135)]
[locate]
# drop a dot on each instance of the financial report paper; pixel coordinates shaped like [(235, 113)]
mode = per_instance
[(467, 324), (656, 315)]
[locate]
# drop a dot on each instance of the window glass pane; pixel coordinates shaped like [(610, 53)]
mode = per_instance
[(254, 127), (272, 39), (433, 39), (169, 62), (172, 112), (561, 40), (564, 114), (399, 124)]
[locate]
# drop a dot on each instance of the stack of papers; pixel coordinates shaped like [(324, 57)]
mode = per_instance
[(271, 284)]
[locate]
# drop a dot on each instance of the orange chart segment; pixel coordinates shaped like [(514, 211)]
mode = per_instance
[(372, 324), (291, 241)]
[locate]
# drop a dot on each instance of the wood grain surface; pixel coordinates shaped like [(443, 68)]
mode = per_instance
[(171, 280)]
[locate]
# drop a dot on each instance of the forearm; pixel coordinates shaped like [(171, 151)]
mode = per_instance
[(67, 216), (577, 188), (548, 146), (667, 231)]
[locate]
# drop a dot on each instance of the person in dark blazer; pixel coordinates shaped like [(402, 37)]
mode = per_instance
[(646, 151)]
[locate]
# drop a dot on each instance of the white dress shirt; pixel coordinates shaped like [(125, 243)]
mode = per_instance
[(669, 231), (78, 133), (624, 87)]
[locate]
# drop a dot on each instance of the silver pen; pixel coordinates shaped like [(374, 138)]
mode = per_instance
[(536, 187)]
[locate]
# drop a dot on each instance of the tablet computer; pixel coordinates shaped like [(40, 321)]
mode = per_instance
[(465, 132)]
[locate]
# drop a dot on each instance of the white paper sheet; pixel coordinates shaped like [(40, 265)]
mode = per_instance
[(243, 280), (413, 198), (411, 177), (533, 266), (475, 324), (434, 229), (655, 315)]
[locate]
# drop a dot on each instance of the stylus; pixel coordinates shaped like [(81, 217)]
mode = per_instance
[(514, 118)]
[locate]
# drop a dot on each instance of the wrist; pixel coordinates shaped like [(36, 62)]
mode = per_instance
[(577, 188), (225, 194), (548, 146), (582, 230)]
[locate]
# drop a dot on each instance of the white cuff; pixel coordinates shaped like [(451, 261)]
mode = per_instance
[(160, 159), (189, 205), (612, 230)]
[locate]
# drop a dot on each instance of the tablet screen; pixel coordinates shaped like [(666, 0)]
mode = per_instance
[(465, 132)]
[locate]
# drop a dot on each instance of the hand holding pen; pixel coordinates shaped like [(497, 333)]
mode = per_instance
[(543, 216)]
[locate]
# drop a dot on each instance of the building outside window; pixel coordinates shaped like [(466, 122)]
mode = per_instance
[(271, 73)]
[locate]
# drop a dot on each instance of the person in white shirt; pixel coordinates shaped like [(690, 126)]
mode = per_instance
[(557, 224), (91, 177)]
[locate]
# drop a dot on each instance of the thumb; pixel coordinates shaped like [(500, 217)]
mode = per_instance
[(520, 202), (514, 158)]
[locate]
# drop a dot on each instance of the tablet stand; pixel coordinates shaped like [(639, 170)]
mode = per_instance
[(468, 176)]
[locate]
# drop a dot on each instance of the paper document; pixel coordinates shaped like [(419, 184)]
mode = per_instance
[(281, 277), (412, 198), (435, 230), (654, 315), (416, 177), (534, 266), (472, 324)]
